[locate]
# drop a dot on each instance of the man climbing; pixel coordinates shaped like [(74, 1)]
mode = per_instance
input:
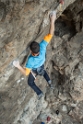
[(35, 62)]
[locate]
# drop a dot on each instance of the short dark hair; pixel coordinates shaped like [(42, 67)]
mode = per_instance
[(34, 47)]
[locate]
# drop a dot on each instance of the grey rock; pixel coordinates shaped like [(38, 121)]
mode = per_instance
[(63, 108)]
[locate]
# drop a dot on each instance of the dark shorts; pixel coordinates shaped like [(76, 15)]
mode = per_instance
[(39, 70)]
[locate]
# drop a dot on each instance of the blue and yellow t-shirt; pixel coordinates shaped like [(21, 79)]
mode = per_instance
[(34, 62)]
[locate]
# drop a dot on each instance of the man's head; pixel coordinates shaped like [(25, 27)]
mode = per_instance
[(35, 48)]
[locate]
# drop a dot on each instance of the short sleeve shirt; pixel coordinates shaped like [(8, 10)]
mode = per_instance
[(34, 62)]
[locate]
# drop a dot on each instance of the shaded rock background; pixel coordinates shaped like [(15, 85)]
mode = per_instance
[(22, 21)]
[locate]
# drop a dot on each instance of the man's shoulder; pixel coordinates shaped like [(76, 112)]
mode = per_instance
[(30, 58), (30, 62), (43, 43)]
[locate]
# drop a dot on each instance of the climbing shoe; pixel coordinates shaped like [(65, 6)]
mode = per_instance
[(40, 96), (51, 86)]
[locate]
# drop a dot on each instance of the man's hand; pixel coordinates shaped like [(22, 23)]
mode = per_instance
[(53, 16), (16, 63)]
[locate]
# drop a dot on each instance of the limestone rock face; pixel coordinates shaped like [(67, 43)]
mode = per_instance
[(22, 21)]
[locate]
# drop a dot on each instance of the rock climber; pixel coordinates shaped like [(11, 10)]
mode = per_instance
[(35, 62)]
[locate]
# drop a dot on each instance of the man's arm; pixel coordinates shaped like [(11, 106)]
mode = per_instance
[(51, 28), (21, 69), (52, 21), (49, 36)]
